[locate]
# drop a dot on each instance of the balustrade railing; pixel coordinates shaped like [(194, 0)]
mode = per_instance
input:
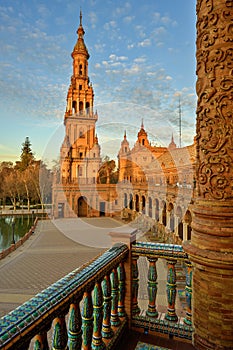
[(98, 286), (87, 308), (151, 319)]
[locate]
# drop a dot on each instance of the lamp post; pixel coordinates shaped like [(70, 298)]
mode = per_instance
[(13, 231)]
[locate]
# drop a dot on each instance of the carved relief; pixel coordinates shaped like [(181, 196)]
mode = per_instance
[(215, 96)]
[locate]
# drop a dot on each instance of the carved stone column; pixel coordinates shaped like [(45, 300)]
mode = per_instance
[(211, 244)]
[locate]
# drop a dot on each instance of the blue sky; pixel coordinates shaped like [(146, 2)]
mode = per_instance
[(142, 60)]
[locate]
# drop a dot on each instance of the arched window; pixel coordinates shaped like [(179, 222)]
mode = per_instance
[(143, 204), (125, 200), (87, 107), (164, 214), (80, 106), (80, 69), (74, 106), (130, 201)]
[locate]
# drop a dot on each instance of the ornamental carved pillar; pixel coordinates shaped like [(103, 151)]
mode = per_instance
[(211, 244)]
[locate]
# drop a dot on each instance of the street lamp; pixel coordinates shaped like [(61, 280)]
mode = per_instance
[(13, 231)]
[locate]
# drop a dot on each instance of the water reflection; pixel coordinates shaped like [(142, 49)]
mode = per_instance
[(22, 224)]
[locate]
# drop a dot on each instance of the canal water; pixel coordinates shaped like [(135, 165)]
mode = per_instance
[(21, 224)]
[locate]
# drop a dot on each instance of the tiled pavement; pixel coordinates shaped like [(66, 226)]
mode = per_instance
[(47, 256)]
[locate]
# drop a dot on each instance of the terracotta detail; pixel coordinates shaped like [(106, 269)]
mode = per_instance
[(211, 244)]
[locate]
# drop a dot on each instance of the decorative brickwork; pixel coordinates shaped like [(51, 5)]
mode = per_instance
[(212, 236)]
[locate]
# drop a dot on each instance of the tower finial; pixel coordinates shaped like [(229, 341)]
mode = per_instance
[(125, 134), (142, 125), (80, 16)]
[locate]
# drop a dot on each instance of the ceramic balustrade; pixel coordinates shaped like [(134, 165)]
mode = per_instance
[(100, 288), (98, 326), (151, 319)]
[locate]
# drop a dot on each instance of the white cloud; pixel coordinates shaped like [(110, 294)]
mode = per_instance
[(128, 19), (140, 60), (144, 43)]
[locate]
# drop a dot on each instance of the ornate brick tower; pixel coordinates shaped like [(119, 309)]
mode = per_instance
[(80, 152), (211, 248)]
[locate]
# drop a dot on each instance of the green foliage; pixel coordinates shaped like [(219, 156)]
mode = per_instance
[(27, 156), (108, 172), (28, 181)]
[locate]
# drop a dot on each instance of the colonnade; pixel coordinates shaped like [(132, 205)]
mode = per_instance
[(174, 217)]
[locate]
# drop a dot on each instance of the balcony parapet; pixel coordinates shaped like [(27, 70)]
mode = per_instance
[(34, 318), (107, 289), (151, 320)]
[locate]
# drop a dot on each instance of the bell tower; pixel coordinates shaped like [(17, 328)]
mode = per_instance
[(80, 152)]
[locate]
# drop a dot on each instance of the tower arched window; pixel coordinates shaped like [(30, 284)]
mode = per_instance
[(74, 106), (80, 69), (87, 107), (81, 106)]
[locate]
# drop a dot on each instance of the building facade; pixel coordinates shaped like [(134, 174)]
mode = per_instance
[(155, 184)]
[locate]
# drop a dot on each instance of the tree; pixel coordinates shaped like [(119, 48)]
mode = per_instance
[(26, 157), (108, 173), (5, 170)]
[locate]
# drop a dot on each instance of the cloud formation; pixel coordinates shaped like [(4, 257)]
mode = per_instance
[(133, 61)]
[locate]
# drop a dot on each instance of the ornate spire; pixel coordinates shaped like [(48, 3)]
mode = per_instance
[(125, 135), (80, 46), (80, 17), (142, 125), (172, 144)]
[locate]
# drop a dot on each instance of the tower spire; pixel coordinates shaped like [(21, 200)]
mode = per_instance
[(80, 17)]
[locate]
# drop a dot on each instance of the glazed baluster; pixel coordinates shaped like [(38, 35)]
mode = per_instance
[(171, 291), (106, 326), (87, 321), (59, 334), (97, 341), (152, 288), (135, 307), (75, 327), (121, 295), (188, 293), (41, 341), (115, 321)]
